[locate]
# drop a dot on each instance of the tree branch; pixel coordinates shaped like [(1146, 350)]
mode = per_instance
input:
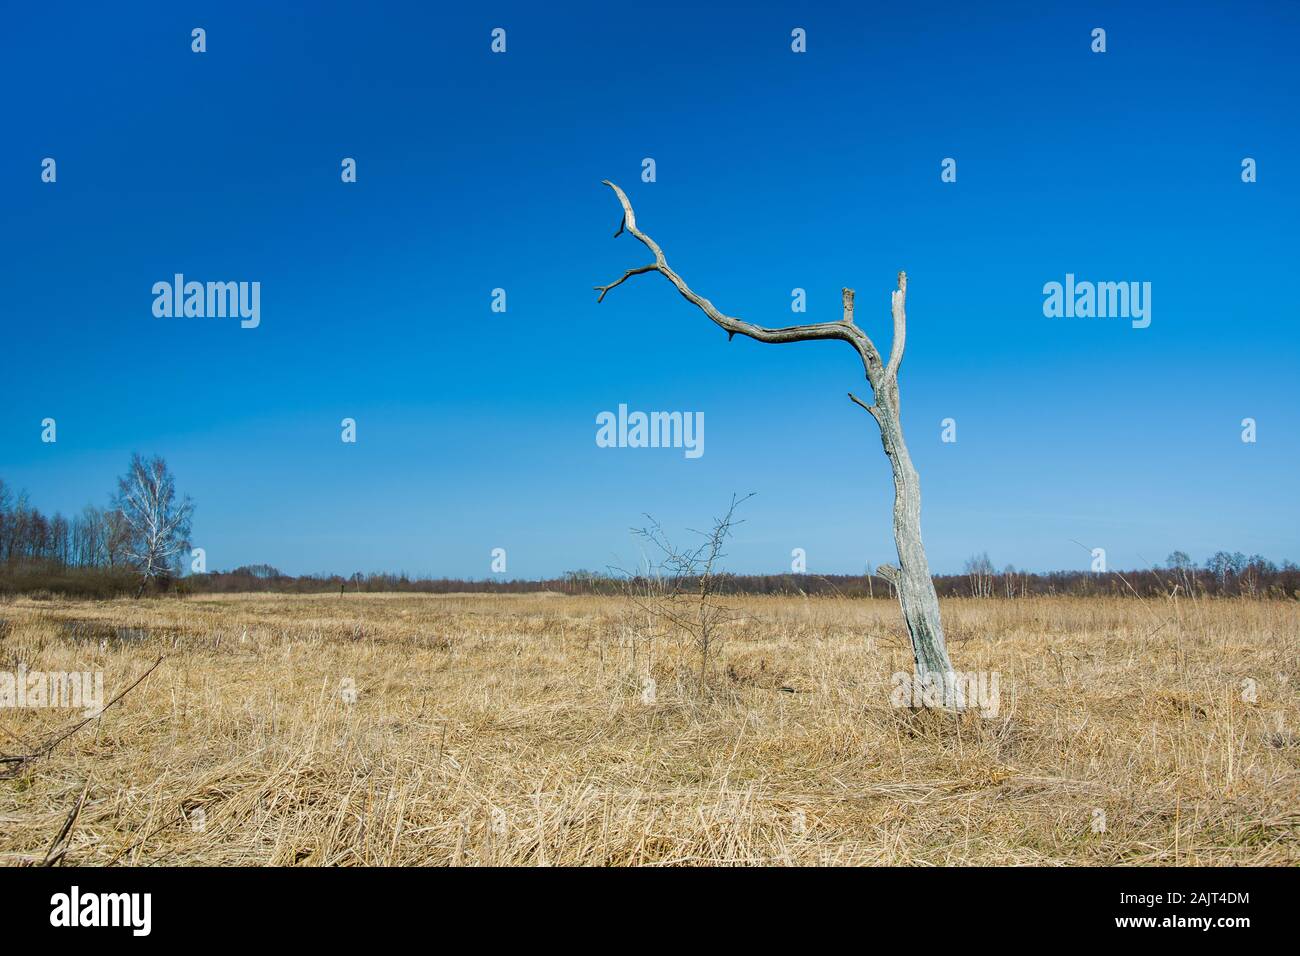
[(891, 573), (897, 302), (843, 330), (602, 289), (44, 750), (875, 412)]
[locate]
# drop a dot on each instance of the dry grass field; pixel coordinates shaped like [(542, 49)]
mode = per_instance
[(512, 730)]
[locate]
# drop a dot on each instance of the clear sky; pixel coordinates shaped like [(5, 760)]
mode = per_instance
[(774, 170)]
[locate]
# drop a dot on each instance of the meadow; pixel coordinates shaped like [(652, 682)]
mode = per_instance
[(462, 730)]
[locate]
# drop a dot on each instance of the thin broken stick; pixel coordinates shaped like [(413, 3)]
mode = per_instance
[(18, 760)]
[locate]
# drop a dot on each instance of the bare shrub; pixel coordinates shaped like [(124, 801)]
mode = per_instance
[(679, 587)]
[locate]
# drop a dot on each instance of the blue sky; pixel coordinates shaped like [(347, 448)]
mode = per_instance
[(775, 170)]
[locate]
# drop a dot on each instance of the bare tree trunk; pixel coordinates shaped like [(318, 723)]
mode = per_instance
[(912, 581), (911, 578)]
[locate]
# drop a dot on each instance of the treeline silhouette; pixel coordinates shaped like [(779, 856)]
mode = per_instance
[(87, 556), (1261, 581), (135, 544)]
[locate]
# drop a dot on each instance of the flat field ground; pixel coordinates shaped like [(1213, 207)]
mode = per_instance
[(467, 730)]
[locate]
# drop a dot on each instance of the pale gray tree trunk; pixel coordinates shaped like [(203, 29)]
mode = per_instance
[(911, 577)]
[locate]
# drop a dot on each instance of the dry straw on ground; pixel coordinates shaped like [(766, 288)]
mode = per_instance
[(512, 730)]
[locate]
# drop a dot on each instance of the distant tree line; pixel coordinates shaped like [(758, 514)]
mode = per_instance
[(1224, 575), (140, 538), (137, 541), (263, 577)]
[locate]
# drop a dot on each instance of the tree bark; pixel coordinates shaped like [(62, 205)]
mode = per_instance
[(911, 579)]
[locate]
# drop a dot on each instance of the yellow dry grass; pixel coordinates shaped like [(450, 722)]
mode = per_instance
[(511, 730)]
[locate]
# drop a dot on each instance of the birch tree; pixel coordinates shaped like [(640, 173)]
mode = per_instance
[(158, 523), (911, 576)]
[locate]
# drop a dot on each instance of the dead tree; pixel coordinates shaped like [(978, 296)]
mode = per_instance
[(911, 578)]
